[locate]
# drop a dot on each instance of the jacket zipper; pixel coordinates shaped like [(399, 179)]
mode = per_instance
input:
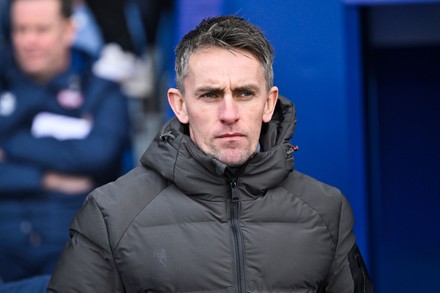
[(237, 236)]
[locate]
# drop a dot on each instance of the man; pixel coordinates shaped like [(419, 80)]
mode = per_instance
[(62, 133), (216, 205)]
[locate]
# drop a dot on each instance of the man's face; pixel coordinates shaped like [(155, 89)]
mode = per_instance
[(225, 103), (41, 37)]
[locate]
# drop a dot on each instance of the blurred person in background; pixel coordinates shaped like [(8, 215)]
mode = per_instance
[(128, 29), (63, 132)]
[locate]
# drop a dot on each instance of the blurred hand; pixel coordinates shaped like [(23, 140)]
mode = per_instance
[(69, 184)]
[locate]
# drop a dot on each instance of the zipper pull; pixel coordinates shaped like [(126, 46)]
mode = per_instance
[(234, 191)]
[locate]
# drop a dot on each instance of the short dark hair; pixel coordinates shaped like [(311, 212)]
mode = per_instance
[(65, 5), (230, 32)]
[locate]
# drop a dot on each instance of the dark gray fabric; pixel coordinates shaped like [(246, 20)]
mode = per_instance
[(171, 224)]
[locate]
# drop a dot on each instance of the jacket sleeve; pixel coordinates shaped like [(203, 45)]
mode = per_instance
[(100, 151), (87, 264), (17, 178), (348, 273)]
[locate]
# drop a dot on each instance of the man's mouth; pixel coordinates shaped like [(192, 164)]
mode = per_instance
[(230, 136)]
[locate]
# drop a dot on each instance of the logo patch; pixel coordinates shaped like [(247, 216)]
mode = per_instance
[(8, 104), (70, 99)]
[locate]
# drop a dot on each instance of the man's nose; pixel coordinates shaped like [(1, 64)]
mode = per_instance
[(229, 110)]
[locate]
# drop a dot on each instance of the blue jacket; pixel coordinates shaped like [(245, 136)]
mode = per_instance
[(98, 154)]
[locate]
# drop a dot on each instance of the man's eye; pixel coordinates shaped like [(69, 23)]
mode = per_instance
[(42, 29), (247, 93), (209, 95)]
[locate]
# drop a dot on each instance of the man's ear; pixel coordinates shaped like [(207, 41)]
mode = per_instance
[(177, 103), (271, 101)]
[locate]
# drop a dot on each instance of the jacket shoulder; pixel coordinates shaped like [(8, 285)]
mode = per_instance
[(122, 200), (327, 201)]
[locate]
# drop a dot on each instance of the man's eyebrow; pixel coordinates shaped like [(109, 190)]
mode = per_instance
[(215, 89), (244, 88), (205, 89)]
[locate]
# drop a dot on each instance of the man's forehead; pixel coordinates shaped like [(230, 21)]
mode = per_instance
[(47, 6), (216, 60)]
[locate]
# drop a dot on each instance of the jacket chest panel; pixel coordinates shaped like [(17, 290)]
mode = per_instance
[(284, 243), (179, 257), (177, 244), (283, 255)]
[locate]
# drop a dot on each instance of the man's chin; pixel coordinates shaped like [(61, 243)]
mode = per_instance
[(233, 160)]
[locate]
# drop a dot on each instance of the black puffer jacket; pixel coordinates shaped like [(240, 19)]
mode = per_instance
[(182, 222)]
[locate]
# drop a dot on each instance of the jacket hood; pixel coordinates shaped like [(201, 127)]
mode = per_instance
[(173, 155)]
